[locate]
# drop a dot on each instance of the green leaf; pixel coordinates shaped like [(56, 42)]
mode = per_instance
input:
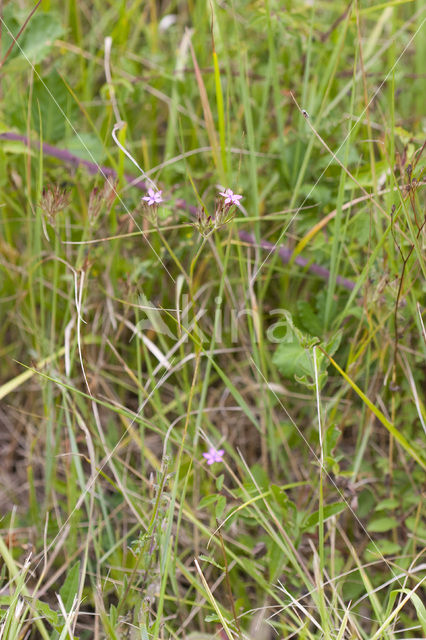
[(379, 525), (220, 507), (308, 318), (365, 503), (416, 526), (353, 587), (291, 359), (328, 511), (332, 435), (53, 112), (280, 498), (206, 501), (276, 560), (333, 343), (212, 561), (86, 146), (44, 610), (219, 481), (113, 615), (36, 41), (418, 605), (381, 548), (70, 587), (39, 36), (389, 503), (294, 355)]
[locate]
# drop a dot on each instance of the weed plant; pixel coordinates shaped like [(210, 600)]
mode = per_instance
[(213, 331)]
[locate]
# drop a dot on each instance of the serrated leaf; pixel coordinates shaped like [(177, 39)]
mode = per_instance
[(39, 36), (291, 359), (280, 497), (294, 355), (308, 318), (333, 343), (310, 382), (37, 39)]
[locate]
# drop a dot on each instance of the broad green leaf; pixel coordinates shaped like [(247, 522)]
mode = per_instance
[(388, 503), (416, 526), (56, 106), (220, 507), (39, 36), (291, 359), (308, 318), (219, 481), (381, 548), (204, 502), (36, 41), (294, 355), (379, 525)]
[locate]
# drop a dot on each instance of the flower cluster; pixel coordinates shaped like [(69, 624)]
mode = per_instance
[(205, 223), (224, 212)]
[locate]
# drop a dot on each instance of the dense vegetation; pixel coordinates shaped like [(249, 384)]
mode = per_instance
[(213, 416)]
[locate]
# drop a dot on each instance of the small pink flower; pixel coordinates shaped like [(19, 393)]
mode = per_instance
[(214, 455), (153, 197), (230, 197)]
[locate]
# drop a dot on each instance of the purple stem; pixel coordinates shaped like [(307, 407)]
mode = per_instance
[(284, 252), (73, 160)]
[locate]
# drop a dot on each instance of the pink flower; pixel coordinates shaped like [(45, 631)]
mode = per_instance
[(214, 455), (230, 197), (153, 197)]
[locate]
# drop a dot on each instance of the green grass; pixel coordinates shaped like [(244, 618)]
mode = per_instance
[(131, 342)]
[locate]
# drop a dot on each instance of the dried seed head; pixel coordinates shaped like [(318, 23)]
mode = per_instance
[(54, 199), (100, 198), (205, 223)]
